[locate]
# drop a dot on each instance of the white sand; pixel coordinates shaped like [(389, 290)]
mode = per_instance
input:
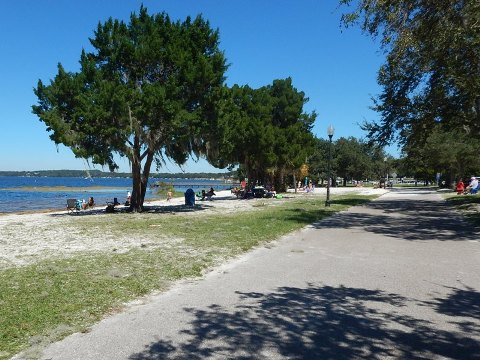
[(29, 238)]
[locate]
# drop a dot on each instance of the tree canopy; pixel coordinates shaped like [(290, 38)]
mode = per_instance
[(352, 159), (432, 70), (146, 92), (265, 130), (452, 153)]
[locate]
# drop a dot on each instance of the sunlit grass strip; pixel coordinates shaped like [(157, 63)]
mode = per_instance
[(51, 299)]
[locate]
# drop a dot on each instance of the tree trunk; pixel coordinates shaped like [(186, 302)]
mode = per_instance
[(136, 203), (136, 200), (146, 173), (280, 181), (449, 179), (294, 182)]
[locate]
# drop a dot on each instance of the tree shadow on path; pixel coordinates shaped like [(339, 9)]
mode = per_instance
[(314, 322), (409, 219), (461, 302)]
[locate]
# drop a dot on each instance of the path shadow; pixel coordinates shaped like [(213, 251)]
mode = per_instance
[(314, 322), (412, 219), (461, 302)]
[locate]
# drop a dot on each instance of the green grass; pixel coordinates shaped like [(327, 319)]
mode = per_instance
[(469, 205), (46, 301)]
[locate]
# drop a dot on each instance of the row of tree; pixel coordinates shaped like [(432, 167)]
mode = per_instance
[(351, 159), (154, 89), (94, 173)]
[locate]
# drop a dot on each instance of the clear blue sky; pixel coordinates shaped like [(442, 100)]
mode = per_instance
[(263, 40)]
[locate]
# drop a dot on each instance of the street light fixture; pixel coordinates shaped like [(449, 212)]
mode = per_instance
[(330, 132)]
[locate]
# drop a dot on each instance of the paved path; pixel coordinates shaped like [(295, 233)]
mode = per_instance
[(398, 278)]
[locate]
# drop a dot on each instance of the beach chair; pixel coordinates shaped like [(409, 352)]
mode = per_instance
[(73, 205)]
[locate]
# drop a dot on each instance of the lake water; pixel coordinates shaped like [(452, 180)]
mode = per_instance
[(18, 193)]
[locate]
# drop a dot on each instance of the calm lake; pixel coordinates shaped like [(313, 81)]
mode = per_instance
[(27, 193)]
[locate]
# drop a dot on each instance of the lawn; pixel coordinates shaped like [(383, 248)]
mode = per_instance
[(469, 205), (51, 299)]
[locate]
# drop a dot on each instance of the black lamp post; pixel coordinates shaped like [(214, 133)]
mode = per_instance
[(386, 172), (330, 132)]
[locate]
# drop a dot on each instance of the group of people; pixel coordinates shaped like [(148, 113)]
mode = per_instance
[(254, 191), (309, 187), (87, 204), (471, 188), (207, 195)]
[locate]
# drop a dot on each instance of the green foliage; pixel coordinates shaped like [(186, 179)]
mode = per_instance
[(352, 159), (162, 188), (452, 153), (265, 130), (432, 71), (318, 161), (145, 93)]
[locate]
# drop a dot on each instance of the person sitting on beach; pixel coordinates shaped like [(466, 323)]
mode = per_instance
[(237, 192), (88, 204), (169, 195), (210, 193), (129, 197), (271, 192)]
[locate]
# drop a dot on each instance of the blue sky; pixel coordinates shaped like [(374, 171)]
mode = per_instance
[(263, 40)]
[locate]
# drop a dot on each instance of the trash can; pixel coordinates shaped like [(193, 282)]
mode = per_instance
[(190, 197)]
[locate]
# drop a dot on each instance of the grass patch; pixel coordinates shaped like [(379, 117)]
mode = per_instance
[(469, 205), (46, 301)]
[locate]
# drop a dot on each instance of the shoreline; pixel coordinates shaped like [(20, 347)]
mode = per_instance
[(174, 201), (32, 237), (179, 200)]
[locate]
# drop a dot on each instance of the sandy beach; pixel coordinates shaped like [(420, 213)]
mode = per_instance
[(29, 238)]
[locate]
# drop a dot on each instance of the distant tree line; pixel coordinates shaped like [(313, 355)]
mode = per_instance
[(101, 174), (351, 159)]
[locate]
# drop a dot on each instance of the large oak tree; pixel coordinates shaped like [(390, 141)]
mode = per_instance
[(432, 70), (145, 92)]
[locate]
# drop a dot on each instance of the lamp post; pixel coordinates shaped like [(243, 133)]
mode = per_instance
[(330, 132), (386, 171)]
